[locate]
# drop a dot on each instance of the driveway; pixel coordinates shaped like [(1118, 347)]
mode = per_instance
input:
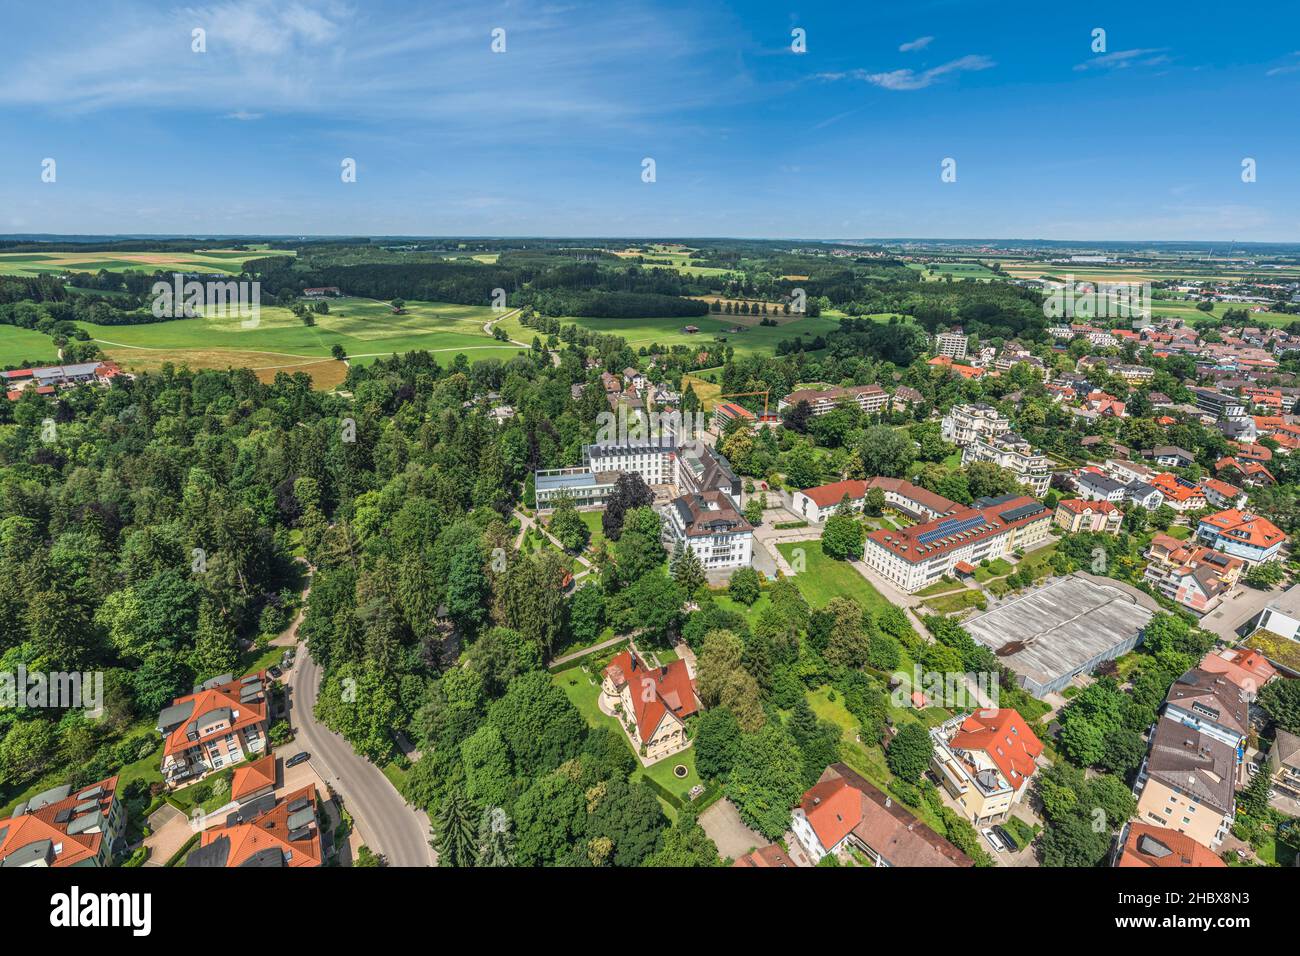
[(725, 828), (386, 823), (171, 829)]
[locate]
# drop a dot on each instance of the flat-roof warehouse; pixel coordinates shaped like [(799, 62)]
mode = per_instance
[(1054, 633)]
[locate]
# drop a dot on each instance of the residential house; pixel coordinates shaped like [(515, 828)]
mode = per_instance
[(843, 812), (1180, 494), (1171, 456), (1220, 494), (1142, 844), (654, 702), (765, 857), (267, 832), (223, 722), (1076, 515), (985, 762), (1241, 534), (1248, 669), (1284, 764), (65, 827), (1092, 485), (253, 780), (1211, 704)]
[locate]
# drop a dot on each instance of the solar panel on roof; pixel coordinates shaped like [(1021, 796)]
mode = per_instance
[(1024, 511), (298, 804), (63, 815), (91, 794), (950, 527), (86, 807)]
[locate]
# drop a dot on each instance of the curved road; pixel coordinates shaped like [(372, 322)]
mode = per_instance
[(387, 824)]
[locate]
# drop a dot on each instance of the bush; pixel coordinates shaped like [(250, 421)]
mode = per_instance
[(745, 586)]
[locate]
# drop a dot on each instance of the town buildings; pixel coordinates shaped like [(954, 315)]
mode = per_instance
[(966, 424), (65, 827), (914, 557), (844, 812), (1193, 575), (1077, 515), (818, 504), (268, 831), (1013, 453), (871, 399), (985, 761), (223, 722), (653, 702), (1241, 534), (951, 344)]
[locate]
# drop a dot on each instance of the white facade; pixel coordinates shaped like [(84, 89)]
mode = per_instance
[(966, 424), (1017, 456), (951, 344), (654, 463)]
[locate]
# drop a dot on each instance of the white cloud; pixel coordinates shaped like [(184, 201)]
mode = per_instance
[(920, 43), (911, 79), (1123, 59)]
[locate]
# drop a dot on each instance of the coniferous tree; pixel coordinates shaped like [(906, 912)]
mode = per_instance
[(454, 831)]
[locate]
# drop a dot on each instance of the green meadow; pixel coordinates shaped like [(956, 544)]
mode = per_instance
[(25, 345), (668, 331)]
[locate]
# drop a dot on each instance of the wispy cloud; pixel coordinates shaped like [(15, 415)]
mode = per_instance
[(912, 79), (1292, 67), (1123, 59), (244, 116), (911, 46)]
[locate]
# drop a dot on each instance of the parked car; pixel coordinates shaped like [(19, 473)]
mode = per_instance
[(993, 839), (1006, 837), (275, 672), (297, 759)]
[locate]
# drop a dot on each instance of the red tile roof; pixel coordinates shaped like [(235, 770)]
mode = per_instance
[(270, 831), (907, 543), (1156, 846), (1079, 506), (1245, 527), (206, 701), (252, 777), (768, 856), (655, 690), (44, 824), (1006, 738)]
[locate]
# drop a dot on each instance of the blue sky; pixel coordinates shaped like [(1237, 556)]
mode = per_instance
[(1051, 140)]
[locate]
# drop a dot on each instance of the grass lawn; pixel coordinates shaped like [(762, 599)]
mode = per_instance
[(592, 520), (824, 578), (996, 569), (396, 775), (25, 345), (957, 601), (1179, 532), (227, 261), (257, 659)]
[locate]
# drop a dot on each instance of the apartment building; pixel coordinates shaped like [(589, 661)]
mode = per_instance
[(269, 831), (869, 398), (1241, 535), (917, 556), (65, 827), (985, 761), (1010, 451), (952, 344), (1211, 704), (709, 524), (1076, 515), (1181, 494), (1193, 575), (1218, 404), (1187, 783), (223, 722), (968, 423), (818, 504), (652, 459)]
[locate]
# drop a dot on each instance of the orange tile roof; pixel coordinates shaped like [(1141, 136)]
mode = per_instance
[(1079, 506), (252, 777), (1245, 527), (1221, 486), (1173, 488), (670, 689), (1246, 668), (270, 831), (206, 701), (1006, 738), (1146, 845), (833, 809), (44, 824), (768, 856)]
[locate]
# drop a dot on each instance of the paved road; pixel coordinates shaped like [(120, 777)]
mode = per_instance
[(384, 820)]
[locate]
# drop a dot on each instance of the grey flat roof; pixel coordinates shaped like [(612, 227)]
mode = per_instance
[(583, 479), (174, 715), (1059, 627), (1288, 602)]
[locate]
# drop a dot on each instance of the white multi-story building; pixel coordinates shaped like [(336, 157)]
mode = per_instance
[(966, 424), (652, 460), (951, 344), (1013, 453), (920, 555), (708, 524)]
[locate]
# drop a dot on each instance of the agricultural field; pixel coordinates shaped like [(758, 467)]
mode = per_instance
[(668, 331), (224, 261), (937, 271), (366, 329), (669, 258), (25, 345)]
